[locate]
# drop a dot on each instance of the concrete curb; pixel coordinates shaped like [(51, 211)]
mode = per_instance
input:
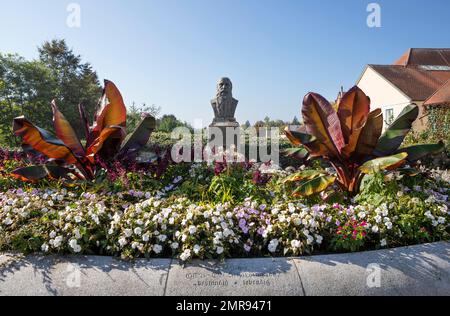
[(416, 270)]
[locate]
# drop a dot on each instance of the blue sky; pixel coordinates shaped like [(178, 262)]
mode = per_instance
[(171, 52)]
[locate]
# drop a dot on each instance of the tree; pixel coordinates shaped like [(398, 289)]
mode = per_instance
[(76, 82), (168, 123), (28, 87), (247, 124), (135, 113), (295, 121)]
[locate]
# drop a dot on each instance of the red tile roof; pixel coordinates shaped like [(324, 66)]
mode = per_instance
[(441, 96), (425, 56), (415, 82)]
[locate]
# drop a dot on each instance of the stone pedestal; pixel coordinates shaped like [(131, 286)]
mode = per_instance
[(224, 135)]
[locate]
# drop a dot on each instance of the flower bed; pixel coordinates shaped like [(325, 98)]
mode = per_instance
[(174, 220)]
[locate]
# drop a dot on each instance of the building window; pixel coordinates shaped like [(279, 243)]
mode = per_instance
[(389, 116)]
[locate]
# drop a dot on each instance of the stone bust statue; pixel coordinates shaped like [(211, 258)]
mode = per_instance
[(224, 105)]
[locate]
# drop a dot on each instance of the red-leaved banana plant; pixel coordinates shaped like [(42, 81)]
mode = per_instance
[(351, 140), (67, 155)]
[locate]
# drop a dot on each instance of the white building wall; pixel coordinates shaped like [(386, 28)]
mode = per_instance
[(382, 93)]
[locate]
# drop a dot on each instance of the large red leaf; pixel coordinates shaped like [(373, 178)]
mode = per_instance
[(114, 135), (65, 132), (85, 124), (353, 112), (323, 123), (35, 173), (112, 111), (299, 138), (42, 141), (370, 134)]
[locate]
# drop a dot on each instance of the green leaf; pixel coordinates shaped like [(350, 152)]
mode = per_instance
[(384, 163), (393, 138), (314, 186), (418, 152), (296, 152), (410, 172), (303, 175)]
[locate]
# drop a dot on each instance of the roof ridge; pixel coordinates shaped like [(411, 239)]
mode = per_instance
[(429, 48), (437, 91)]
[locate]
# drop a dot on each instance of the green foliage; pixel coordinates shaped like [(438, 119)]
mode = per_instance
[(135, 113), (27, 87), (168, 123)]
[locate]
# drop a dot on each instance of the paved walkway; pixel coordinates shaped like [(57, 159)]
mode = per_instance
[(419, 270)]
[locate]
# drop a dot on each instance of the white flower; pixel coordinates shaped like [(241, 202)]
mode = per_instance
[(185, 255), (175, 245), (296, 244), (122, 242), (8, 221), (44, 247), (220, 250), (383, 243), (138, 231), (77, 234), (227, 232), (128, 233), (441, 220), (362, 215), (310, 240), (162, 238), (58, 241), (74, 245), (291, 208), (197, 249), (375, 229), (434, 223), (273, 245), (388, 225), (192, 230), (319, 239), (145, 237), (378, 219), (78, 219), (297, 221), (157, 249)]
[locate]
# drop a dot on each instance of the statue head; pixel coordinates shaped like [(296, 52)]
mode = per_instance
[(224, 88)]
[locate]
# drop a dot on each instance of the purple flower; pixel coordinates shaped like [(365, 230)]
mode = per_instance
[(247, 248), (261, 231)]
